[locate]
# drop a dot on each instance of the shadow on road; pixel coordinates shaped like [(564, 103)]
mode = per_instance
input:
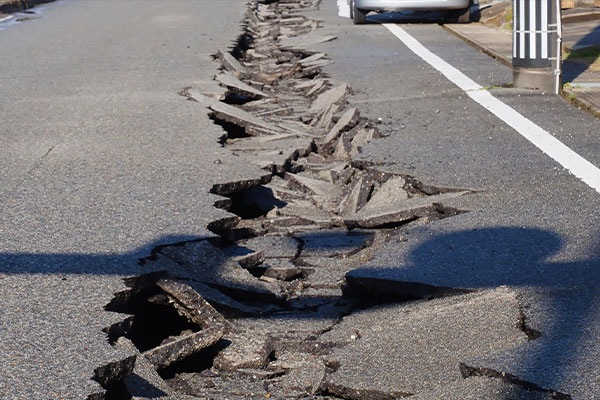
[(559, 297), (572, 69), (561, 306)]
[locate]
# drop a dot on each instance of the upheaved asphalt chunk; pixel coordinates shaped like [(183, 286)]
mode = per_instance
[(114, 372), (387, 194), (233, 83), (328, 98), (305, 40), (273, 246), (282, 269), (389, 215), (210, 266), (183, 346), (322, 189), (252, 124), (215, 386), (415, 347), (333, 243), (247, 350), (357, 195), (230, 63), (324, 119), (304, 375), (192, 304), (145, 383), (346, 122), (226, 304)]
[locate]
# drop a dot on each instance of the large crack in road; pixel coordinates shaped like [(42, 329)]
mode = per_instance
[(267, 309)]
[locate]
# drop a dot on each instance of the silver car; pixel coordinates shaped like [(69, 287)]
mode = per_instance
[(455, 10)]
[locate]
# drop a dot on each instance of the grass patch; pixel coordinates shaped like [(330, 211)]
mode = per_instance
[(589, 56), (508, 19)]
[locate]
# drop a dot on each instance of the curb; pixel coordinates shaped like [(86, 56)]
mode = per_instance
[(582, 104), (13, 6), (474, 43), (583, 17)]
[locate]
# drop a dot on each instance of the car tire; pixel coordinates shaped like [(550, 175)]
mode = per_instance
[(359, 16)]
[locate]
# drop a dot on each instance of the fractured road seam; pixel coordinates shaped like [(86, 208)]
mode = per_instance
[(554, 148), (204, 311)]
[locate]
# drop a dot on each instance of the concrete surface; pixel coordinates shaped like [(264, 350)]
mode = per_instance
[(102, 160), (408, 349), (583, 81), (103, 170), (531, 224)]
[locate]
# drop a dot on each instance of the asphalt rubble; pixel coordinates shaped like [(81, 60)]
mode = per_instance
[(270, 308)]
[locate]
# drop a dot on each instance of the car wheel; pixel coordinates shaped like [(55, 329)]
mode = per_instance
[(358, 16)]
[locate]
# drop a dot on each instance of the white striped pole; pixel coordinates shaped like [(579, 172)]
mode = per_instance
[(535, 29)]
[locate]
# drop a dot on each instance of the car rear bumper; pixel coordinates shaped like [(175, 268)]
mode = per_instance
[(397, 5)]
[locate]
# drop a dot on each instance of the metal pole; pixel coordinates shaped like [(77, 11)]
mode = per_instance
[(533, 28), (558, 69)]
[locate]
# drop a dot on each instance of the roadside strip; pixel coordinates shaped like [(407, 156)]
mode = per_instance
[(543, 140), (6, 18)]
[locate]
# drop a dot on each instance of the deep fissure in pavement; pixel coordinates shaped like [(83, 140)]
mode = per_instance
[(263, 311)]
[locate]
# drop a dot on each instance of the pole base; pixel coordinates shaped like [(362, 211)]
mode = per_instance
[(534, 78)]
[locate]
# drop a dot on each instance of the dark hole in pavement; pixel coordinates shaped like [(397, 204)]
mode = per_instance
[(258, 270), (253, 203), (117, 391), (233, 131), (153, 319), (198, 362), (242, 44), (236, 99), (153, 323)]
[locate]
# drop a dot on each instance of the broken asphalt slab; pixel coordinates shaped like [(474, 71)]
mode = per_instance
[(420, 345), (97, 177), (464, 253)]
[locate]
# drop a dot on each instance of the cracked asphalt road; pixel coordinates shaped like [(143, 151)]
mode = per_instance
[(533, 225), (103, 161)]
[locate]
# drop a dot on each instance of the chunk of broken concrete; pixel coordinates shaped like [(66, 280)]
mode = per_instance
[(182, 347), (322, 189), (251, 124), (346, 122), (230, 63), (388, 193), (193, 304), (210, 266), (328, 98), (246, 350), (233, 83), (391, 215)]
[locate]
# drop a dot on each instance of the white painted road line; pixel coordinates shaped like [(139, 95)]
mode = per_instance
[(577, 165), (6, 18)]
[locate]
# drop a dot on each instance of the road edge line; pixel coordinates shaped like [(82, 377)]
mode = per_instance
[(542, 139)]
